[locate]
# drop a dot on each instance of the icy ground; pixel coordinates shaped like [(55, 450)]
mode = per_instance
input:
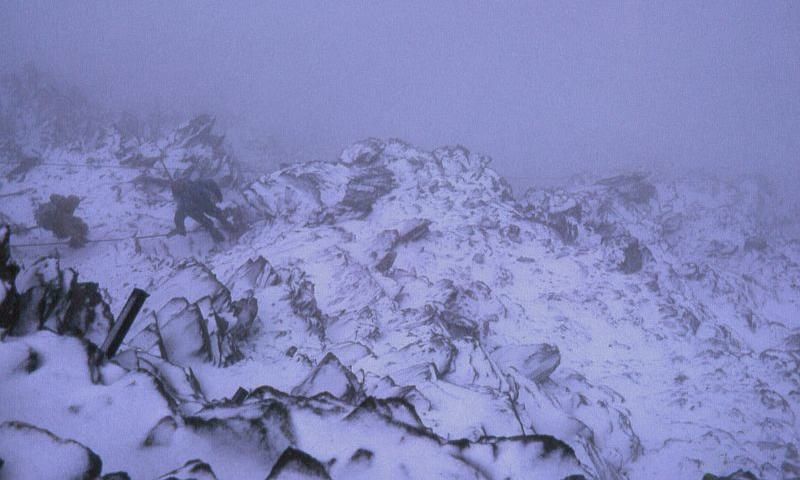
[(396, 314)]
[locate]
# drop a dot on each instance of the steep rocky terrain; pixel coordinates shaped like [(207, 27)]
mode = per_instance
[(394, 314)]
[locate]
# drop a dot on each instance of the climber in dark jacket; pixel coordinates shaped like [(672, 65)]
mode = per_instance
[(58, 216), (198, 200)]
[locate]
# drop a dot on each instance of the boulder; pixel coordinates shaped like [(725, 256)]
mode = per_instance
[(330, 376)]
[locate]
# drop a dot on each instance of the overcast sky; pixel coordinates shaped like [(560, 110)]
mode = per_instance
[(545, 88)]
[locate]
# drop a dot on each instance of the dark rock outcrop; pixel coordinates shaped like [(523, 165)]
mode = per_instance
[(633, 257), (294, 463), (53, 298), (9, 297), (365, 188), (737, 475), (116, 476), (303, 301), (192, 470), (565, 223)]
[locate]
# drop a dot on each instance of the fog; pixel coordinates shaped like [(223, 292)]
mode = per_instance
[(546, 88)]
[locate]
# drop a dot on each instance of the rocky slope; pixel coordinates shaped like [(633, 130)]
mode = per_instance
[(397, 314)]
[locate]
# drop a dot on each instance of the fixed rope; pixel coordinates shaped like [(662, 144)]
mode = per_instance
[(123, 167), (84, 165), (98, 240)]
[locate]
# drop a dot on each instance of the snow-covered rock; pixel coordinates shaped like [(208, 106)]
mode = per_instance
[(398, 313), (330, 377), (192, 470), (32, 453)]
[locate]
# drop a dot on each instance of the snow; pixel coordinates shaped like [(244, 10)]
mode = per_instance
[(399, 314), (21, 446)]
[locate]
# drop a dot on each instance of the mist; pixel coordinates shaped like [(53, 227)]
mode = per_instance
[(546, 89), (231, 247)]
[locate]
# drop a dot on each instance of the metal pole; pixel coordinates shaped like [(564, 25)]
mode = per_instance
[(124, 322)]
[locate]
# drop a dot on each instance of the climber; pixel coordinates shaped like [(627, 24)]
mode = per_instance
[(198, 200), (58, 216)]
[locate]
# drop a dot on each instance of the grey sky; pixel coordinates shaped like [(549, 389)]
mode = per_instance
[(546, 88)]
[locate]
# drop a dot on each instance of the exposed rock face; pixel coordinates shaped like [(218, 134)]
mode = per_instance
[(9, 297), (365, 188), (53, 298), (565, 223), (304, 302)]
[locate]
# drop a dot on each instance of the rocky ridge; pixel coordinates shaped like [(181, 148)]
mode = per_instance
[(398, 313)]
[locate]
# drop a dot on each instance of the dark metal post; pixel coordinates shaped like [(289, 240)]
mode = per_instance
[(124, 322), (240, 395)]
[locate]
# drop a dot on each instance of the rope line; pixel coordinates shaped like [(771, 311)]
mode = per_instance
[(99, 240), (124, 167), (84, 165), (178, 169)]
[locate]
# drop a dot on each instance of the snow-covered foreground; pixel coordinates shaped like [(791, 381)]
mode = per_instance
[(398, 314)]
